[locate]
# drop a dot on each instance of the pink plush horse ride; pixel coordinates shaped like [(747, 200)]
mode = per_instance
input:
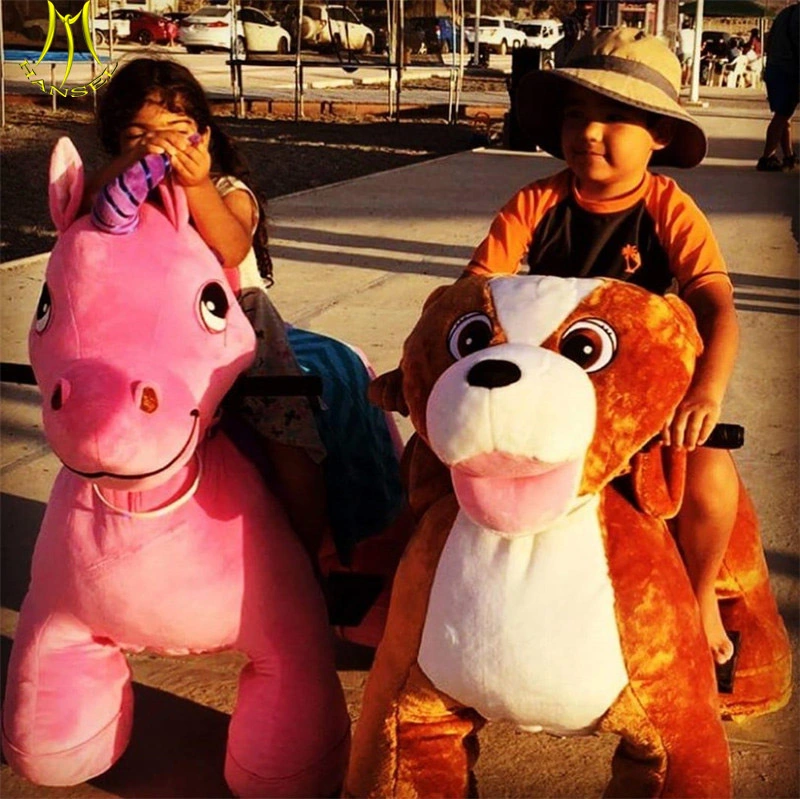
[(157, 536)]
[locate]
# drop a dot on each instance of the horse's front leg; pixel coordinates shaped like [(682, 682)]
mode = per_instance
[(68, 704)]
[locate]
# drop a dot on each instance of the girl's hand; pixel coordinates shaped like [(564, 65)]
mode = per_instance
[(191, 162), (692, 422)]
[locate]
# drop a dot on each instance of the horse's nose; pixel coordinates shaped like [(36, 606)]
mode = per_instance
[(146, 396), (60, 394), (493, 374)]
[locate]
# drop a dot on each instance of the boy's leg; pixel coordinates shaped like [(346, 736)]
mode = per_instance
[(704, 527)]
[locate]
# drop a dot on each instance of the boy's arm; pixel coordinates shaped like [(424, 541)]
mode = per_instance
[(508, 239), (699, 411)]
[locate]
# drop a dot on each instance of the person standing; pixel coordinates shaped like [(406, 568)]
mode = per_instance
[(782, 77), (686, 50)]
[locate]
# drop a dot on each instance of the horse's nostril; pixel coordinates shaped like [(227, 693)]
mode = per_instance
[(493, 374), (149, 400), (57, 400)]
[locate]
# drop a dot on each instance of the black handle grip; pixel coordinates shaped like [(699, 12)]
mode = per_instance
[(726, 436), (266, 385)]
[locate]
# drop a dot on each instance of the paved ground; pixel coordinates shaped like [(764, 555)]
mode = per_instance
[(356, 260)]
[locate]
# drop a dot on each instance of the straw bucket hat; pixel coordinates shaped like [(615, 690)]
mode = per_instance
[(626, 65)]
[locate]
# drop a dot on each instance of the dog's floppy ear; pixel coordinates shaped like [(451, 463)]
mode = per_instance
[(658, 477), (386, 391)]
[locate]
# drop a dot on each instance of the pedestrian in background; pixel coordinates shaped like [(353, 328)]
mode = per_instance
[(782, 77), (686, 50)]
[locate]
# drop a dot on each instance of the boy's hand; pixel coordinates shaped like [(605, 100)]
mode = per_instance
[(692, 422)]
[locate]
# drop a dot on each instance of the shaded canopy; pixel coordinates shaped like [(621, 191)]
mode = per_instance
[(727, 8)]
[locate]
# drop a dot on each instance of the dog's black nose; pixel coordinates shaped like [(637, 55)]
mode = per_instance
[(493, 374)]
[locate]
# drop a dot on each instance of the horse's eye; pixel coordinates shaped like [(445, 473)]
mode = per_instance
[(44, 310), (214, 307)]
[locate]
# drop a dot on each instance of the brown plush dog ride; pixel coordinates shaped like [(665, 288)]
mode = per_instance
[(542, 585)]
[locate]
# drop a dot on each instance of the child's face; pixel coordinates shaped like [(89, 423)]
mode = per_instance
[(154, 120), (606, 144)]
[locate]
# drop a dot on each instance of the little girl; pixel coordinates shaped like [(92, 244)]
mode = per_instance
[(157, 106)]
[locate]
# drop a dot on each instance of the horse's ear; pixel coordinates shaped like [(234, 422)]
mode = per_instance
[(66, 184), (176, 206)]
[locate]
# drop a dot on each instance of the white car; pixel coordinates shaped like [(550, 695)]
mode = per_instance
[(209, 28), (121, 18), (541, 33), (327, 25), (499, 34)]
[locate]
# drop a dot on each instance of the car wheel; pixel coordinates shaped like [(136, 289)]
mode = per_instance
[(99, 38), (239, 48), (283, 46), (35, 33), (193, 50), (367, 49), (503, 47), (144, 37)]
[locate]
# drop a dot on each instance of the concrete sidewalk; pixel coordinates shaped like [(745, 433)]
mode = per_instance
[(356, 260)]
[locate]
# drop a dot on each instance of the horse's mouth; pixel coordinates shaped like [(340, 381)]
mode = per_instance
[(97, 475)]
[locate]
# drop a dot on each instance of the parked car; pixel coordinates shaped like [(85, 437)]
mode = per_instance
[(499, 34), (36, 30), (176, 16), (147, 28), (430, 35), (121, 25), (209, 28), (332, 25), (541, 33)]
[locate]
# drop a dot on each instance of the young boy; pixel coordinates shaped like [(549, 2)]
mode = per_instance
[(610, 112)]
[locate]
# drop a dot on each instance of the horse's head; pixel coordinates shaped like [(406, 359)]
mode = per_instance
[(137, 336)]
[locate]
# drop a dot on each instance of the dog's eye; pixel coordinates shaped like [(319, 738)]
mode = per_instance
[(470, 333), (214, 308), (590, 343)]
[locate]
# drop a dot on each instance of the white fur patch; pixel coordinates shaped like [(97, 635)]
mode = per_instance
[(530, 308), (548, 414), (523, 628)]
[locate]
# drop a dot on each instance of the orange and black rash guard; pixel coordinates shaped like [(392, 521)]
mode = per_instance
[(652, 236)]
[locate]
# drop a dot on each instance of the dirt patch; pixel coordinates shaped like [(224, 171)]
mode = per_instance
[(284, 157)]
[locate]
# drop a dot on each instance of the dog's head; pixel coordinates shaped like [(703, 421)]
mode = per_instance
[(536, 390)]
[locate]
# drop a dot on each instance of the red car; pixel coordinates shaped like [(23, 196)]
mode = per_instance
[(147, 28)]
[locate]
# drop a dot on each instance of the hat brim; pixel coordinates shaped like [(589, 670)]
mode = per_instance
[(541, 93)]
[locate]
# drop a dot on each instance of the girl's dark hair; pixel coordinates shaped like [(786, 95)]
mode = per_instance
[(179, 92)]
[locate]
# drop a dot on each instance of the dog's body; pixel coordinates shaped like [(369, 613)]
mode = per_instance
[(535, 589)]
